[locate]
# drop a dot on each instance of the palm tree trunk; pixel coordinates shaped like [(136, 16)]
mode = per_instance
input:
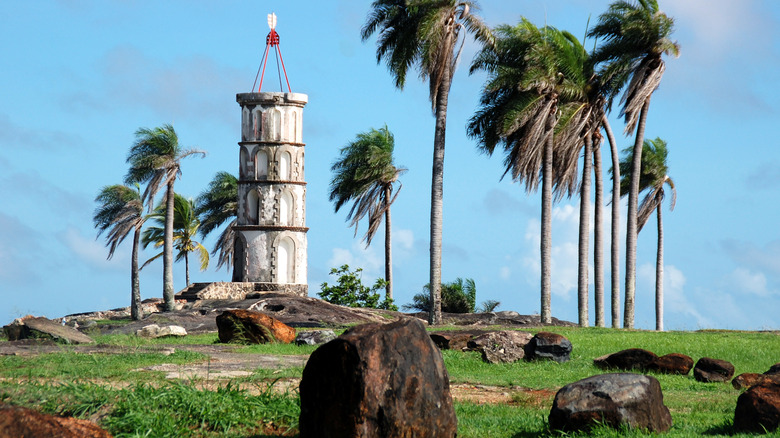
[(437, 197), (388, 251), (546, 238), (187, 267), (598, 238), (168, 251), (631, 224), (584, 235), (136, 312), (615, 240), (659, 274)]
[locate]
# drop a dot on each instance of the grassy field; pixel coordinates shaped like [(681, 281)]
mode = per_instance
[(129, 403)]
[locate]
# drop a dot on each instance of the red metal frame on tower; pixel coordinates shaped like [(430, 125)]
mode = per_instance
[(272, 40)]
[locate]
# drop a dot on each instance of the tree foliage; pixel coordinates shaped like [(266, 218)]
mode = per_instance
[(459, 296), (350, 291)]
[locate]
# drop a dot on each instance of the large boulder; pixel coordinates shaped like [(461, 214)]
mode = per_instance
[(16, 421), (551, 346), (501, 347), (708, 369), (758, 409), (377, 380), (633, 400), (42, 328), (746, 380), (672, 363), (627, 360), (247, 326)]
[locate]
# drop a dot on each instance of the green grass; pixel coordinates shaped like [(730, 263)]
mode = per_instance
[(147, 402)]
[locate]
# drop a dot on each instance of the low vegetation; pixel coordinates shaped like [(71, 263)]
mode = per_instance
[(119, 392)]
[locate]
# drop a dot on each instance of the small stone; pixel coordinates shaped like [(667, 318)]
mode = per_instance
[(153, 331), (551, 346), (672, 363), (501, 347), (708, 369), (314, 337), (627, 360)]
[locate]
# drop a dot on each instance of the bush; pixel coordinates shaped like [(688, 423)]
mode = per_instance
[(350, 291), (459, 296)]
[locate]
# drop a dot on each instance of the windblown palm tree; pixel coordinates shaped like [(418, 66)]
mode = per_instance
[(119, 211), (185, 228), (216, 206), (365, 175), (429, 35), (155, 159), (533, 105), (636, 36), (653, 177)]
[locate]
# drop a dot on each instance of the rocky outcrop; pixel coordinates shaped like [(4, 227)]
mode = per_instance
[(633, 400), (314, 337), (455, 339), (246, 326), (16, 421), (154, 331), (41, 328), (758, 409), (708, 369), (672, 363), (377, 380), (626, 360), (501, 347), (550, 346)]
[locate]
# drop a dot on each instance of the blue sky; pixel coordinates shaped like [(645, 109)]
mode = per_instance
[(79, 77)]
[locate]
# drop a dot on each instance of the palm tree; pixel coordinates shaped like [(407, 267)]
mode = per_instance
[(215, 206), (532, 105), (365, 174), (425, 34), (155, 159), (636, 36), (119, 211), (615, 232), (185, 228), (654, 175)]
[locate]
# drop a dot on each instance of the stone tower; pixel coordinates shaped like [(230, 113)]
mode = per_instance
[(270, 245)]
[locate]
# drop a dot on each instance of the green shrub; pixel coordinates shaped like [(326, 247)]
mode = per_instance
[(459, 296), (350, 290)]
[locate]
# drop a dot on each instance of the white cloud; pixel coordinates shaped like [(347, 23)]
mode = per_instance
[(742, 280), (358, 256), (94, 252)]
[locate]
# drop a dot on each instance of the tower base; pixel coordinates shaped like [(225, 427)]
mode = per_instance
[(237, 290)]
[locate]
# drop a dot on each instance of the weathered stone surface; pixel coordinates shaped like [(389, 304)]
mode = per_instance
[(708, 369), (30, 328), (547, 345), (501, 347), (154, 331), (16, 421), (377, 380), (758, 409), (746, 380), (633, 400), (239, 325), (314, 337), (454, 339), (629, 359), (672, 363)]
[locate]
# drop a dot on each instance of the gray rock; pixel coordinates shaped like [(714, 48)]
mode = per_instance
[(314, 337), (501, 347), (153, 331), (31, 328), (550, 346), (633, 400)]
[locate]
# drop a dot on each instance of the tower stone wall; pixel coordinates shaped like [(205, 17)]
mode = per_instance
[(271, 245)]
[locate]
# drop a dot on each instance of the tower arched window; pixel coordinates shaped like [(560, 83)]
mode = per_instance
[(261, 161), (276, 122), (286, 208), (285, 261), (284, 166), (252, 203)]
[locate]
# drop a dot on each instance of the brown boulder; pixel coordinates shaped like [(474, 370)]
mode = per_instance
[(551, 346), (672, 363), (758, 409), (774, 369), (629, 359), (377, 380), (247, 326), (624, 399), (746, 380), (16, 421), (454, 339), (708, 369)]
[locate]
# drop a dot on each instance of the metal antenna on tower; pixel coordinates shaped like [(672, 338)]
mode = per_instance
[(272, 40)]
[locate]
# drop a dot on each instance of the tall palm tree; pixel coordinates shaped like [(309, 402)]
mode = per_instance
[(365, 174), (636, 36), (615, 232), (429, 35), (119, 211), (217, 205), (155, 159), (185, 228), (654, 175), (531, 106)]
